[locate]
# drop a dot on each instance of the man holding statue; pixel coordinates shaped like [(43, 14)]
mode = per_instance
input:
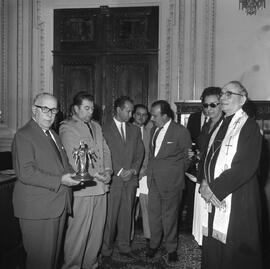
[(81, 135)]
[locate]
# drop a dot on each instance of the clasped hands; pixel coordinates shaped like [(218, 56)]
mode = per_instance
[(126, 174), (209, 196), (104, 177)]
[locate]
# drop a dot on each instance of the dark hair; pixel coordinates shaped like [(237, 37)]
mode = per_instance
[(140, 106), (120, 102), (210, 91), (239, 86), (80, 96), (165, 108)]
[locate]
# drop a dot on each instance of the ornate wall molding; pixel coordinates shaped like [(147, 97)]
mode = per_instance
[(20, 34), (208, 64), (4, 62), (40, 26), (169, 43), (193, 46), (181, 48)]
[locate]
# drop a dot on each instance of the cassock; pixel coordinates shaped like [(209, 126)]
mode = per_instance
[(242, 248)]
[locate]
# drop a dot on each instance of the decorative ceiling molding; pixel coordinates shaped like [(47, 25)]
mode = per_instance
[(4, 62)]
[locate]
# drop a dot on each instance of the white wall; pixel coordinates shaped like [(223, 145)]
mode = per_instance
[(243, 48)]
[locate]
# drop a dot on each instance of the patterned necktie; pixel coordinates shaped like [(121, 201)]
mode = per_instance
[(155, 138), (49, 136), (122, 132), (90, 129)]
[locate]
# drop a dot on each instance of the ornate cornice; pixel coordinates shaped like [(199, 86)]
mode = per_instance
[(181, 48), (169, 42), (3, 63)]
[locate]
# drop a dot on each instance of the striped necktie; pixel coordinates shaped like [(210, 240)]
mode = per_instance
[(155, 138), (122, 132)]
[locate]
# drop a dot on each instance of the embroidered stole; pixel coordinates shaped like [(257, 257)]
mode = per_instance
[(224, 160)]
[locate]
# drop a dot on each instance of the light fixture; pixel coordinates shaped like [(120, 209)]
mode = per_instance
[(251, 6)]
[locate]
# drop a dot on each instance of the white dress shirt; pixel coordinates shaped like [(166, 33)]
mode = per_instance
[(161, 136)]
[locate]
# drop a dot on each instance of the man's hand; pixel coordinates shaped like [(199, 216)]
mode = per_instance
[(104, 177), (126, 175), (68, 180), (208, 195), (142, 173)]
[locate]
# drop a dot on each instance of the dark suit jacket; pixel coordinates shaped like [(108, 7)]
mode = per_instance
[(171, 162), (38, 193), (127, 155), (194, 126)]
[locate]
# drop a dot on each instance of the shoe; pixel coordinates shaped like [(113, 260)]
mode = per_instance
[(129, 255), (150, 253), (171, 259), (106, 259)]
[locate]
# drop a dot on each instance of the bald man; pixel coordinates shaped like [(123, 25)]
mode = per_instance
[(42, 196)]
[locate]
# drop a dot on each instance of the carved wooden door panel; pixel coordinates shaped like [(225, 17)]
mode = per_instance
[(108, 52), (131, 76)]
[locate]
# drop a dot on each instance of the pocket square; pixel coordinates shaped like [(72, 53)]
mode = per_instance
[(169, 142)]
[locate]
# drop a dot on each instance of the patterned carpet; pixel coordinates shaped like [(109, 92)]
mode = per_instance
[(188, 252)]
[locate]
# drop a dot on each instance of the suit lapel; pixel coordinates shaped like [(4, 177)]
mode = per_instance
[(116, 133), (44, 141)]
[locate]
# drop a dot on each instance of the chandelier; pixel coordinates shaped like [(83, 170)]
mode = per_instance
[(251, 6)]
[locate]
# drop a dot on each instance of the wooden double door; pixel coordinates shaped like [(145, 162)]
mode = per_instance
[(107, 52)]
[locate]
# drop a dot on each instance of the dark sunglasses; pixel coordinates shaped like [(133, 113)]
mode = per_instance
[(213, 105)]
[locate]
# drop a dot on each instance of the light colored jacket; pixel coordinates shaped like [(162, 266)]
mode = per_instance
[(74, 130)]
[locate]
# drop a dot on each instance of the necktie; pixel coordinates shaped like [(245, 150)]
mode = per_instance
[(204, 123), (49, 136), (90, 130), (155, 138), (122, 132)]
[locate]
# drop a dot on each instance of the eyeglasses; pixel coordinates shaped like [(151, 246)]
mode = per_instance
[(229, 94), (45, 109), (141, 114), (212, 105)]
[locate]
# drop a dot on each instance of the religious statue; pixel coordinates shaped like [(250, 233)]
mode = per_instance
[(83, 158)]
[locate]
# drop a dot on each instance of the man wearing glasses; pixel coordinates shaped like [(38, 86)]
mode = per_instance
[(231, 215), (41, 196), (195, 124)]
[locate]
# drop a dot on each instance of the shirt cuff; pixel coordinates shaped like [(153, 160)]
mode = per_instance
[(120, 171)]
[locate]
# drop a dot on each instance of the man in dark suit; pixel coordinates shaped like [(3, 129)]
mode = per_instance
[(140, 116), (41, 197), (194, 125), (168, 160), (127, 151)]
